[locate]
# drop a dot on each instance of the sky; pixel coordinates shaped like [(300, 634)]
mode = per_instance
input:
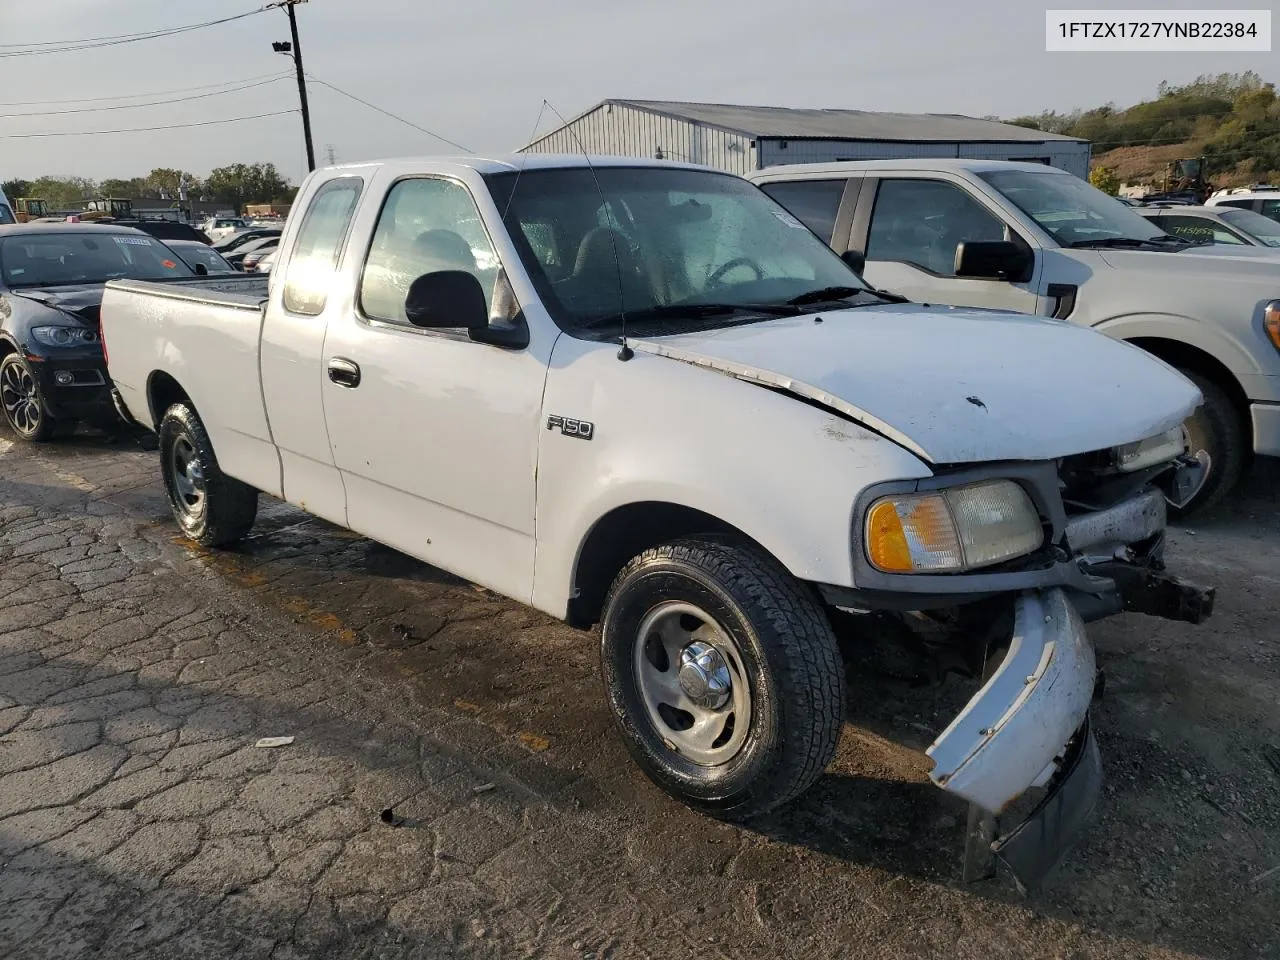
[(477, 72)]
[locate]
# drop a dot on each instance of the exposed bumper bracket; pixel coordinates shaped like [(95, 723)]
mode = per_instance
[(1158, 594)]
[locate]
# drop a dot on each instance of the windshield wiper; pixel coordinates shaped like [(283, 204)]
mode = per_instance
[(827, 294), (695, 311), (1130, 243)]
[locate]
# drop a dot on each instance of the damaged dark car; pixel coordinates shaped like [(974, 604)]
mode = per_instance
[(53, 371)]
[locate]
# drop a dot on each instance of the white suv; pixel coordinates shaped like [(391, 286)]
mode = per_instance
[(1260, 198)]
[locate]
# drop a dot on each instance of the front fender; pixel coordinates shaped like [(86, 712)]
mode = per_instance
[(784, 472)]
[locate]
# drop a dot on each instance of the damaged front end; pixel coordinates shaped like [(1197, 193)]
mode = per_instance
[(1021, 751)]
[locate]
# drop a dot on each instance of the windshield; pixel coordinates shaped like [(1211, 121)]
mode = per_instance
[(655, 241), (60, 259), (1255, 224), (1069, 209)]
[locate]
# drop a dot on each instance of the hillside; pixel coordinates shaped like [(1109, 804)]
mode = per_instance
[(1232, 119)]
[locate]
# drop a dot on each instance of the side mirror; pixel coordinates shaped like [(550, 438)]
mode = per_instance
[(856, 260), (448, 299), (993, 260), (201, 270)]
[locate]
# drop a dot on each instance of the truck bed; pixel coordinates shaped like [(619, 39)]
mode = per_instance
[(201, 333), (244, 290)]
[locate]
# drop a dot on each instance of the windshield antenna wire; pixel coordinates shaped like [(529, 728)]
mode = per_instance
[(624, 351)]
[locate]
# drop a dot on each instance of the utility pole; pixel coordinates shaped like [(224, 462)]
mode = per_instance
[(296, 49)]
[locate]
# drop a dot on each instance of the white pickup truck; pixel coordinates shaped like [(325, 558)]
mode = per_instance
[(1027, 237), (644, 395)]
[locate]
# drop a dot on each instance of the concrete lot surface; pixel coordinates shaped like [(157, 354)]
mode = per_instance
[(138, 819)]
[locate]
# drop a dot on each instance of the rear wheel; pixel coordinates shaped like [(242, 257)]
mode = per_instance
[(1216, 435), (212, 508), (723, 675)]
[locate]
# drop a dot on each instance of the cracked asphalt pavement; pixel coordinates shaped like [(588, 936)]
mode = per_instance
[(139, 820)]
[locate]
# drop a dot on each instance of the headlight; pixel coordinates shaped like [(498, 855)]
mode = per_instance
[(1161, 448), (951, 531), (64, 336)]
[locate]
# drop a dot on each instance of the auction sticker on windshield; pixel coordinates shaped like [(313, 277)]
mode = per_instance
[(1157, 30), (133, 241)]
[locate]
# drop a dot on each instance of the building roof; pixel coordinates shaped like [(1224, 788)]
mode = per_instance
[(802, 124), (507, 163), (925, 164)]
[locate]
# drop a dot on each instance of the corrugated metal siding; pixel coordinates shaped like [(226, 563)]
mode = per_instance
[(1072, 157), (618, 130)]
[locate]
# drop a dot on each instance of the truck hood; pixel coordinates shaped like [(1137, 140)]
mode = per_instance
[(1210, 263), (954, 385)]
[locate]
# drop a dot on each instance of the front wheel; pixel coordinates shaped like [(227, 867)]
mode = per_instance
[(23, 402), (1216, 435), (723, 675), (212, 508)]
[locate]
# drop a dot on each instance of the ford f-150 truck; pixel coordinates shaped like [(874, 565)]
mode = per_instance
[(1028, 237), (643, 395)]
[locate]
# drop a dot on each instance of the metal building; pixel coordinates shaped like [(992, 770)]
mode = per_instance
[(740, 139)]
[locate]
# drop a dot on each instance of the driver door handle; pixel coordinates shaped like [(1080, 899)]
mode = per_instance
[(343, 372)]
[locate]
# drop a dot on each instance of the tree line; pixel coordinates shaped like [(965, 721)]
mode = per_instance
[(1232, 119), (232, 186)]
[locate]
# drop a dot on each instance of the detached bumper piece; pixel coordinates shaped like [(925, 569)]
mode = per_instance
[(1037, 845), (1027, 728)]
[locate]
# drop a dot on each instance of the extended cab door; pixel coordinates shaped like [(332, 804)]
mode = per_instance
[(909, 225), (301, 304), (435, 435)]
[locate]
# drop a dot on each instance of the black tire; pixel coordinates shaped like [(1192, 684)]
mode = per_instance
[(23, 403), (225, 508), (1217, 428), (788, 654)]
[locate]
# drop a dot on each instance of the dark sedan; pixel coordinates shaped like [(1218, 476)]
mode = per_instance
[(53, 373)]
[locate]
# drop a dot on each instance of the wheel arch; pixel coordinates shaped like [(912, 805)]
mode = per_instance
[(163, 391), (1180, 354), (626, 531)]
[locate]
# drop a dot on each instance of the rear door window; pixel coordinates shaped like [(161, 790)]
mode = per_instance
[(315, 253), (814, 203)]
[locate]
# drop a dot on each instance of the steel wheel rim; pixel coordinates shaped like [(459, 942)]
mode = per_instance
[(1196, 450), (188, 477), (21, 399), (692, 683)]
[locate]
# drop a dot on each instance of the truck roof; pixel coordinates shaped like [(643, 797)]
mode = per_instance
[(506, 163), (927, 165)]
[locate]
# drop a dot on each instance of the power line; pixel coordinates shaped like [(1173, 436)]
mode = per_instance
[(388, 113), (131, 96), (167, 126), (90, 43), (135, 106)]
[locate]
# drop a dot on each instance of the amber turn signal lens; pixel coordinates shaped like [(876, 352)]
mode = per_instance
[(1271, 322)]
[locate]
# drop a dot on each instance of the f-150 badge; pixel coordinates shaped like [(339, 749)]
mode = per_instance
[(581, 429)]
